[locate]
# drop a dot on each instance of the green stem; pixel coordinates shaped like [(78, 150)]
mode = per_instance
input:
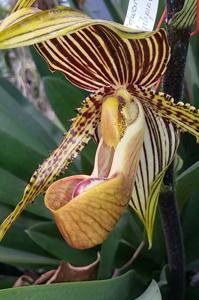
[(173, 85)]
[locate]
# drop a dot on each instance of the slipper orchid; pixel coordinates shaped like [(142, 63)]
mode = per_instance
[(87, 207), (138, 129)]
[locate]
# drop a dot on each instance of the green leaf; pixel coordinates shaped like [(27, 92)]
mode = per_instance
[(17, 158), (188, 151), (183, 189), (192, 71), (152, 292), (16, 120), (25, 259), (124, 255), (48, 237), (161, 8), (125, 287), (25, 139), (110, 247), (131, 239), (63, 97), (11, 188), (19, 240), (42, 66), (7, 281), (190, 223), (49, 133), (192, 293), (87, 157)]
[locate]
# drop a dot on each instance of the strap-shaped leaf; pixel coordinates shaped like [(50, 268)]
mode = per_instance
[(91, 53), (74, 141), (160, 144), (22, 4), (183, 115), (186, 17)]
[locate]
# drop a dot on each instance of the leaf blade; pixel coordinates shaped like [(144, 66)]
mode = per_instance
[(120, 288)]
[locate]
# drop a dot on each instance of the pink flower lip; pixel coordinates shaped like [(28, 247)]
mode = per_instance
[(86, 184)]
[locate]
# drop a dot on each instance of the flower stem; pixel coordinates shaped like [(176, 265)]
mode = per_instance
[(174, 239), (173, 85)]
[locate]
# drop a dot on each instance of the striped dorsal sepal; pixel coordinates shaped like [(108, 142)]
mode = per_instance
[(160, 144), (91, 53), (183, 115), (96, 56), (82, 129)]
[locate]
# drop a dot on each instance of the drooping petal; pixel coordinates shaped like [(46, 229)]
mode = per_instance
[(163, 118), (74, 141), (183, 115), (160, 144), (91, 53)]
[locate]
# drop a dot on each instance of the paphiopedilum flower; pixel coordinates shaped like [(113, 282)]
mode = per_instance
[(137, 127), (86, 208)]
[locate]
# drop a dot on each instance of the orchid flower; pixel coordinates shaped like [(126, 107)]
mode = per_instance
[(137, 128)]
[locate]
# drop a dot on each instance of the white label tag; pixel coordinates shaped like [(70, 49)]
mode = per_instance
[(141, 14), (65, 3)]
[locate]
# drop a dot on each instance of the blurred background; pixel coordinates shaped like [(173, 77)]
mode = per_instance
[(35, 110)]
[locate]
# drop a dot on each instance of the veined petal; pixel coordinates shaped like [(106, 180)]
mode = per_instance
[(163, 117), (76, 138), (160, 143), (96, 56), (183, 115), (91, 53)]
